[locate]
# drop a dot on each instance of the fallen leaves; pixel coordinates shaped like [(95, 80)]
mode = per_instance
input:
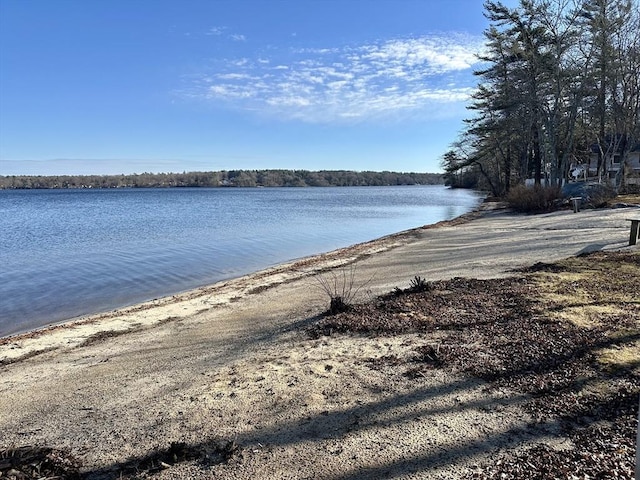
[(583, 375)]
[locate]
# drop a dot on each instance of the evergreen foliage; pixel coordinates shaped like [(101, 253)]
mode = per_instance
[(559, 82), (232, 178)]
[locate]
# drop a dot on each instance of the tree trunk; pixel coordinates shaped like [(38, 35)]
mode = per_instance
[(537, 158)]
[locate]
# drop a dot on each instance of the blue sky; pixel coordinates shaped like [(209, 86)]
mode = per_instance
[(109, 87)]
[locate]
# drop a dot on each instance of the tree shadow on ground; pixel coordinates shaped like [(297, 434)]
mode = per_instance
[(489, 330), (553, 362), (342, 423)]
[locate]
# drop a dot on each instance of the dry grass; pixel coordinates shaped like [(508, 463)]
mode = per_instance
[(596, 292), (631, 199)]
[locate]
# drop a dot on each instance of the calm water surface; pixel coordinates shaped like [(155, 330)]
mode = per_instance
[(65, 253)]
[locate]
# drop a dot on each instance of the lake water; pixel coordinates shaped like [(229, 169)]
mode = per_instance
[(66, 253)]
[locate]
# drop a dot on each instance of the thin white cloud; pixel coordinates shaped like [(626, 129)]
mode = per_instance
[(215, 31), (238, 38), (432, 55), (391, 78), (239, 62), (234, 76)]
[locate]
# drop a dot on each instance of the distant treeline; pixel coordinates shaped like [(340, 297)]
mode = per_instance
[(231, 178)]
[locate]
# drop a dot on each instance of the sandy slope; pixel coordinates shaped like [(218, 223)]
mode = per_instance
[(230, 363)]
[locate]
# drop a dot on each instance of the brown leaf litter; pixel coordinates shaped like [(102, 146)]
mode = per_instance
[(530, 333)]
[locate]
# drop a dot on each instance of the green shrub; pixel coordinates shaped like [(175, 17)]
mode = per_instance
[(534, 199)]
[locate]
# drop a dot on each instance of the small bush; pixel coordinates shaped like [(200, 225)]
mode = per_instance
[(534, 199), (419, 284), (341, 286), (599, 196)]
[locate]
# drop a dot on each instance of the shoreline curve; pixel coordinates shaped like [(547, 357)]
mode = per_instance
[(487, 242)]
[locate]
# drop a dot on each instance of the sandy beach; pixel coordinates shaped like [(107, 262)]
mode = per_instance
[(230, 368)]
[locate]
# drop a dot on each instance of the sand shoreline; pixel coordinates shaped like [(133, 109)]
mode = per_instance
[(25, 344), (75, 331), (232, 363)]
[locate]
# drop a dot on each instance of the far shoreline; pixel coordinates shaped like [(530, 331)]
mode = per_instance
[(223, 179)]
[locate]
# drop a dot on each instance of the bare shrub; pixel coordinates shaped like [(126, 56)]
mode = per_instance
[(342, 288), (601, 195), (534, 199)]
